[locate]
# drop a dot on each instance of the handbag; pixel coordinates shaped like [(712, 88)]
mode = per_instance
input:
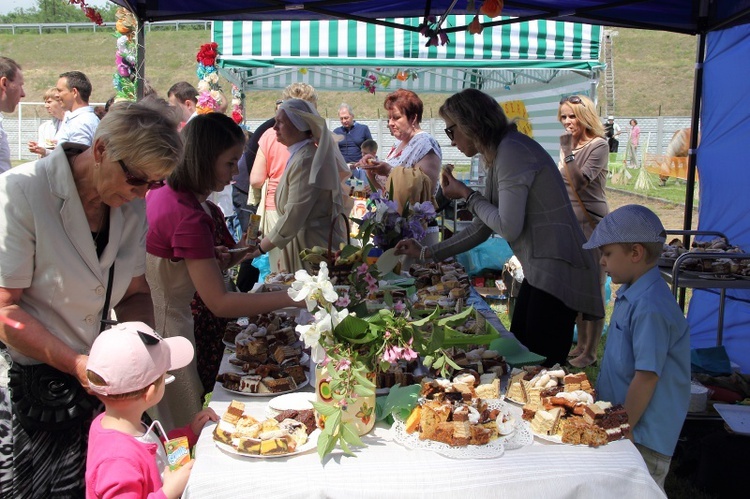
[(47, 399)]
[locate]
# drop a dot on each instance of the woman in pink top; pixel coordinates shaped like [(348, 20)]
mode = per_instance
[(182, 259)]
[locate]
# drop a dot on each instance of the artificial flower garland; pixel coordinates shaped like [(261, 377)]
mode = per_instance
[(90, 12), (209, 91), (126, 55)]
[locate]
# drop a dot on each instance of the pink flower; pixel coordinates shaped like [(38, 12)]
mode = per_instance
[(387, 334), (399, 306), (409, 353), (343, 365), (362, 269), (371, 280), (343, 301)]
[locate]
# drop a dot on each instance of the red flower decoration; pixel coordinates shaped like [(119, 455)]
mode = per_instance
[(237, 116), (475, 27), (491, 8), (90, 12), (207, 54)]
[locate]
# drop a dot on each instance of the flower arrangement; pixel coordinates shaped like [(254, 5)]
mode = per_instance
[(388, 226), (377, 78), (430, 29), (125, 56), (237, 107), (349, 349), (210, 97)]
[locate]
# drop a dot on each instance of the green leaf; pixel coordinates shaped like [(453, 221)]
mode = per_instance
[(326, 443), (363, 380), (350, 435), (399, 399), (458, 318), (345, 448), (363, 391), (326, 410), (348, 251)]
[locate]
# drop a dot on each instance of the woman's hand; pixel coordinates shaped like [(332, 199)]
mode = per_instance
[(409, 247), (452, 188), (566, 143), (37, 149), (223, 256), (370, 164)]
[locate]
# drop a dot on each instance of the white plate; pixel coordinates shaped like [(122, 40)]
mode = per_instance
[(312, 442), (521, 437), (737, 417), (555, 439), (247, 394), (299, 401), (229, 345)]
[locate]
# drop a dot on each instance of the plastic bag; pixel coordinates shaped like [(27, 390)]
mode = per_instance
[(264, 266), (490, 255)]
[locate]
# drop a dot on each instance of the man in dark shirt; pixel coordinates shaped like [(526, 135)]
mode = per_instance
[(353, 134)]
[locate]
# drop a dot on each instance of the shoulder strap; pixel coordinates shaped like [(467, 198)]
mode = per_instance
[(107, 298)]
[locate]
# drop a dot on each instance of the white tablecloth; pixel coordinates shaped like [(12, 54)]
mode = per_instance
[(385, 469)]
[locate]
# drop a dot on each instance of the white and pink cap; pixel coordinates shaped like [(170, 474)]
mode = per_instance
[(130, 356)]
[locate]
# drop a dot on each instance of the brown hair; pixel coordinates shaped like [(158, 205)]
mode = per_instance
[(407, 102), (206, 137)]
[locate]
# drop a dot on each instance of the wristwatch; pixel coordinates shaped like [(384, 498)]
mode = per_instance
[(570, 158)]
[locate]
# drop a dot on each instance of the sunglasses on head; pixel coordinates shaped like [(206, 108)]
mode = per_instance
[(449, 131), (136, 181), (573, 99)]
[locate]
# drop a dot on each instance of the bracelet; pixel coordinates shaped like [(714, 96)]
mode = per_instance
[(570, 158), (422, 253), (468, 198), (260, 249)]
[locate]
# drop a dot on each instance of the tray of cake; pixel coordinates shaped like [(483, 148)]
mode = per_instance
[(287, 434), (462, 418), (561, 407), (269, 356), (445, 284)]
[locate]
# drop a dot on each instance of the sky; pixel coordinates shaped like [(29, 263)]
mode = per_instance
[(10, 5)]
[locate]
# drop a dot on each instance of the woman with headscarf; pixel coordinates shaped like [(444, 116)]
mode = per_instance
[(309, 196)]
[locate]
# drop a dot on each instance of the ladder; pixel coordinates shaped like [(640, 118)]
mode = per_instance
[(609, 71)]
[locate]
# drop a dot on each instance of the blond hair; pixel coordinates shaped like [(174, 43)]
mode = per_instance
[(585, 115), (143, 135), (302, 91)]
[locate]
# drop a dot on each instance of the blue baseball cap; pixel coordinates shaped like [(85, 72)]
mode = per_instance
[(631, 223)]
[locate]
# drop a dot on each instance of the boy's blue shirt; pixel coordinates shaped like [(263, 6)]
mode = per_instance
[(648, 332)]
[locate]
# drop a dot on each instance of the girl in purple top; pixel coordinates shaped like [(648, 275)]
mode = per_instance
[(182, 259)]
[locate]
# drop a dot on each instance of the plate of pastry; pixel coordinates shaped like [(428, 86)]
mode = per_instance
[(254, 385), (243, 435)]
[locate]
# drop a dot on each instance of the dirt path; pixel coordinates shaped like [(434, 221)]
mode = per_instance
[(672, 215)]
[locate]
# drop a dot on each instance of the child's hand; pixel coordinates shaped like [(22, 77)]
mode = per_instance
[(201, 418), (176, 481)]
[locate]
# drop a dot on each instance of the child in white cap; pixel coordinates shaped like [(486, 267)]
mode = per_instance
[(646, 364), (127, 369)]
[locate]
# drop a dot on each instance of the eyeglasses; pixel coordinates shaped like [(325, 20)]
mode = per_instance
[(138, 182), (449, 131), (573, 99)]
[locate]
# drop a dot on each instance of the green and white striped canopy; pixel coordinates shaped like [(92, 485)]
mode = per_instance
[(339, 54)]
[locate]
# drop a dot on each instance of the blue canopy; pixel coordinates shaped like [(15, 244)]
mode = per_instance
[(721, 98)]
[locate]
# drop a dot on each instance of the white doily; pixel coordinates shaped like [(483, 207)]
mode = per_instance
[(521, 437)]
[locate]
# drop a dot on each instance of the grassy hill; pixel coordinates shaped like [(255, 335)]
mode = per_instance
[(653, 70)]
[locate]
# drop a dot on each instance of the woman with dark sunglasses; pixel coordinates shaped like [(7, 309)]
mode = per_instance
[(526, 204), (584, 154), (73, 234)]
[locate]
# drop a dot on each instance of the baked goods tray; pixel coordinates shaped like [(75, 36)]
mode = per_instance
[(737, 417)]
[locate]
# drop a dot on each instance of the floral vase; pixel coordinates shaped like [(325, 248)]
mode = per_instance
[(361, 412)]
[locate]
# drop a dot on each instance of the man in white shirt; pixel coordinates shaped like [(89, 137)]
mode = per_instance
[(184, 97), (11, 91), (80, 121)]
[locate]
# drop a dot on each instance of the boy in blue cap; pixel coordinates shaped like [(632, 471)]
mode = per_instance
[(646, 364)]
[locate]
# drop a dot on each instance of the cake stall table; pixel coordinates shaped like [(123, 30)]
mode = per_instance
[(386, 469)]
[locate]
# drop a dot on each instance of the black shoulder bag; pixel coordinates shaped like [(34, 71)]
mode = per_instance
[(46, 399)]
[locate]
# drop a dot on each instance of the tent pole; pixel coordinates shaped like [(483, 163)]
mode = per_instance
[(694, 120), (140, 68)]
